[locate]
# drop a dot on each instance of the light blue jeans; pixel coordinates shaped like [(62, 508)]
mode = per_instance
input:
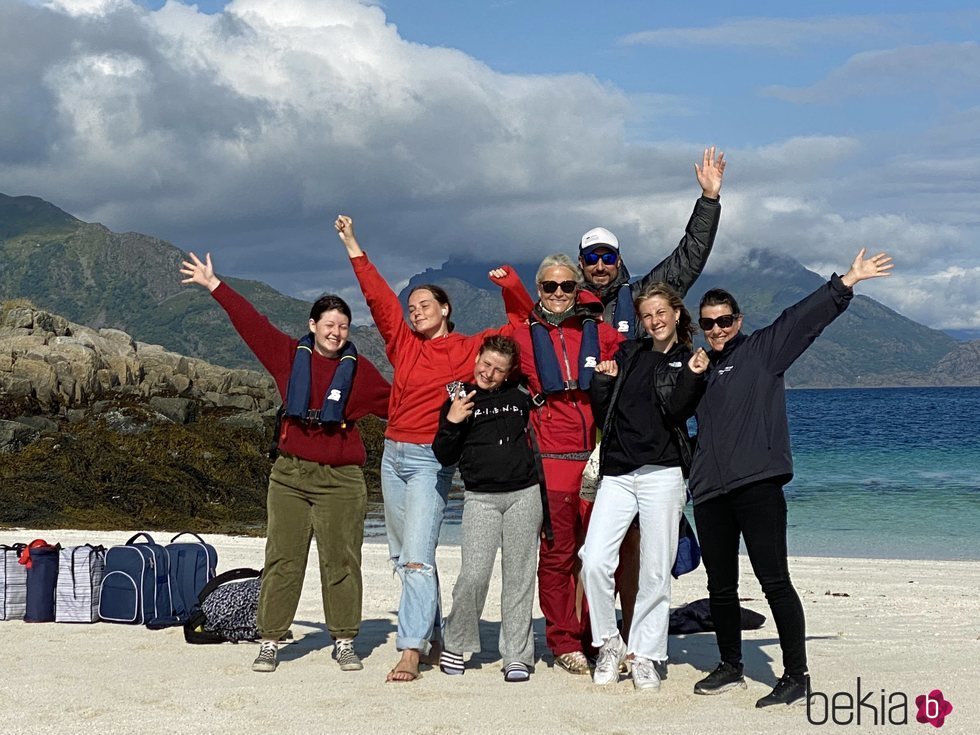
[(415, 487)]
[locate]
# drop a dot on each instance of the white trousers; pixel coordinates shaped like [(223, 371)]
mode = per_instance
[(658, 495)]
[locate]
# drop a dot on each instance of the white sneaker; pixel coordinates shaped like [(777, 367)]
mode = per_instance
[(611, 655), (266, 660), (346, 656), (645, 674)]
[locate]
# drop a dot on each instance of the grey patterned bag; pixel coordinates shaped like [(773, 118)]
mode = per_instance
[(229, 606)]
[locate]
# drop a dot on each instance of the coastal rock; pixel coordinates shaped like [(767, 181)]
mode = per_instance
[(15, 435), (251, 420), (67, 365), (40, 423), (178, 410)]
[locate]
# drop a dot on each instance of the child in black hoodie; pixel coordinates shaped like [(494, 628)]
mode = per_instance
[(483, 427)]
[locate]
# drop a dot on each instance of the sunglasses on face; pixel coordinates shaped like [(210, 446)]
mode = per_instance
[(724, 321), (607, 258), (552, 286)]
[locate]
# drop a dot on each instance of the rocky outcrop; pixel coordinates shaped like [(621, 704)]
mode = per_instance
[(65, 366)]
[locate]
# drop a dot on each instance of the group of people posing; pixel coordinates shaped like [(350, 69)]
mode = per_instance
[(517, 409)]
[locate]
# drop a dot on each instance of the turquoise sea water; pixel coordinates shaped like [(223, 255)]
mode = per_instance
[(879, 473)]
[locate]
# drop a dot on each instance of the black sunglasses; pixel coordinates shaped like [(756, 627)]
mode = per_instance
[(552, 286), (724, 321), (607, 257)]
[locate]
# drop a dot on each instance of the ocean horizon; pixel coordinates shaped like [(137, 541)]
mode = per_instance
[(889, 473)]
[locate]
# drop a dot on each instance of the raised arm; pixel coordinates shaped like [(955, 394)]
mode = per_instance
[(386, 309), (683, 266), (788, 337), (517, 301), (273, 347), (201, 273)]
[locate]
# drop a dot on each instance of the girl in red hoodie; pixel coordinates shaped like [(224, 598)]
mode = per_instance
[(427, 358)]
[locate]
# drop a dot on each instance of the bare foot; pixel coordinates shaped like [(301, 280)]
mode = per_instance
[(407, 668)]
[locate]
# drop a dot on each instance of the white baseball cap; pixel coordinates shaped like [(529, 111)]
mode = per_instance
[(597, 237)]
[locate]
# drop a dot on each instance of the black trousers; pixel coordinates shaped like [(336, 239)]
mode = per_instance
[(757, 512)]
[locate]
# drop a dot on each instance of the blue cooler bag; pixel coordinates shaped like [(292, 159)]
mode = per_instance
[(42, 578)]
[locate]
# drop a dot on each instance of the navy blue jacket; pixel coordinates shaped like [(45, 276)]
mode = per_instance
[(743, 433)]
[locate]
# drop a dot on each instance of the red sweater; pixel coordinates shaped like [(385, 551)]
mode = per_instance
[(425, 367), (329, 445)]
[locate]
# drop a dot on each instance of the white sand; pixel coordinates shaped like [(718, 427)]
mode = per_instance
[(905, 626)]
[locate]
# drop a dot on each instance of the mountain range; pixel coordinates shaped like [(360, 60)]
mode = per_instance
[(129, 281)]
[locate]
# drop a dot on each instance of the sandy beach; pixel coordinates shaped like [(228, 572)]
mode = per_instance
[(904, 628)]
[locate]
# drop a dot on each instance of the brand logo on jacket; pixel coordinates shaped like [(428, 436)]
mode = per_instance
[(334, 395), (623, 326), (590, 362)]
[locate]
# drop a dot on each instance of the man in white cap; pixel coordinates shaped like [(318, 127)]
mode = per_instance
[(606, 274)]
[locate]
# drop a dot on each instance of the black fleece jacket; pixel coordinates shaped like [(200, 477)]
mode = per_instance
[(743, 433), (672, 391), (492, 445), (680, 269)]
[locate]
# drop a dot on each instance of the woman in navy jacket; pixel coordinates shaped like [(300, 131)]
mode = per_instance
[(743, 460)]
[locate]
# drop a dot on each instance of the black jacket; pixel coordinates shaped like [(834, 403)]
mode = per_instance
[(679, 270), (492, 445), (743, 433), (676, 390)]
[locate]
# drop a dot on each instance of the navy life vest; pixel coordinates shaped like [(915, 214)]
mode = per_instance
[(335, 399), (546, 361), (624, 313)]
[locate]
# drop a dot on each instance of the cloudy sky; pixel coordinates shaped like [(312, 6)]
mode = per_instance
[(505, 129)]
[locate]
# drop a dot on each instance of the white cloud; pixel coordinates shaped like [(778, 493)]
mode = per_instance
[(771, 33), (939, 68), (245, 132)]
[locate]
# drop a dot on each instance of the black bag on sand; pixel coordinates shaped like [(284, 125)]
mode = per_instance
[(229, 606), (695, 617)]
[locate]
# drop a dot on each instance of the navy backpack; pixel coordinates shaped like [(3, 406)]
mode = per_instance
[(136, 583), (192, 566)]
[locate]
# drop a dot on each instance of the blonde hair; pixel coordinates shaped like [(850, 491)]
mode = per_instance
[(560, 259)]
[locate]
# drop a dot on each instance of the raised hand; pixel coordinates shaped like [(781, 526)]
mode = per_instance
[(877, 266), (500, 272), (200, 273), (461, 407), (608, 367), (699, 361), (345, 231), (710, 172)]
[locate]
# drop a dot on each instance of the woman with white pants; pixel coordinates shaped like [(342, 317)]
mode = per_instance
[(646, 395)]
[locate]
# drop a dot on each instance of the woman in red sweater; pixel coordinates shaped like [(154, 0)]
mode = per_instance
[(427, 357), (316, 487)]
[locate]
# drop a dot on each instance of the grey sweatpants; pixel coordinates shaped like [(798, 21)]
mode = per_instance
[(512, 522)]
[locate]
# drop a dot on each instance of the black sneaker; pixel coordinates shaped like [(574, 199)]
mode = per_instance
[(788, 690), (723, 678)]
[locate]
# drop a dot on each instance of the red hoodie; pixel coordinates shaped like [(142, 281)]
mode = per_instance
[(329, 445), (425, 367)]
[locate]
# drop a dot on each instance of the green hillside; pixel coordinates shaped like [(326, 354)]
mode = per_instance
[(129, 281)]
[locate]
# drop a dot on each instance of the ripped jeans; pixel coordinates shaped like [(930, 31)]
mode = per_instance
[(415, 487)]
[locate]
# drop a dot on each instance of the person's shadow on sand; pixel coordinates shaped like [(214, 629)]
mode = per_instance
[(700, 650), (373, 634)]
